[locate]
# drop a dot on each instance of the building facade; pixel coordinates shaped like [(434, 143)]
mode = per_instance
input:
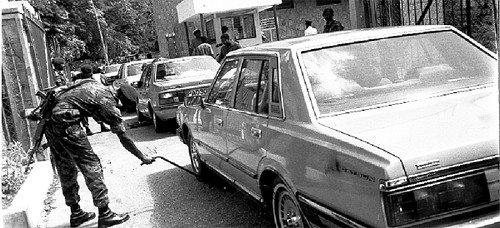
[(477, 18)]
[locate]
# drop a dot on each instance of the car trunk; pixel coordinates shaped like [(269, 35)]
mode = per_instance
[(433, 132)]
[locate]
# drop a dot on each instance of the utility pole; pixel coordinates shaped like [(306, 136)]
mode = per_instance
[(104, 48)]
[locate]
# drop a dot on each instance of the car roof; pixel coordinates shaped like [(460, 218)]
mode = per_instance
[(341, 37), (139, 61), (180, 59)]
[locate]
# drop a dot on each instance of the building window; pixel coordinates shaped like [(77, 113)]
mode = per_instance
[(242, 27), (327, 2), (210, 32)]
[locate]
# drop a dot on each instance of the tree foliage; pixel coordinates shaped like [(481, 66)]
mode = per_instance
[(72, 31)]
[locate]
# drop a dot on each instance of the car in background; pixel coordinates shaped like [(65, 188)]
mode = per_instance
[(109, 74), (384, 127), (165, 83), (130, 72)]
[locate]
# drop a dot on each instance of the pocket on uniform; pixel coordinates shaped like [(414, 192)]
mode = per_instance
[(75, 132)]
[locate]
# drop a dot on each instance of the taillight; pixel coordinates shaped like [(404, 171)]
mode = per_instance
[(170, 98), (432, 200)]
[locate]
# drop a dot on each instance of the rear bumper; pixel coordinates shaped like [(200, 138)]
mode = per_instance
[(166, 113)]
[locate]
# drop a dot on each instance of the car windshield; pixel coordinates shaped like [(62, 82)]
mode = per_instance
[(395, 69), (185, 68), (111, 69), (134, 69)]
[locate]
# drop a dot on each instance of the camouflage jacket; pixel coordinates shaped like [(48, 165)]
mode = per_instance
[(90, 99), (332, 26)]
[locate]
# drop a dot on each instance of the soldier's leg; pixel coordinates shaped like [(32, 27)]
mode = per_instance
[(90, 165), (85, 123)]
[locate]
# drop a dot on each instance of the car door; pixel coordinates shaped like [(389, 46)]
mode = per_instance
[(142, 90), (247, 121), (212, 116)]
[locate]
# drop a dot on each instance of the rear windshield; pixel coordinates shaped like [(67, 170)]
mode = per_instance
[(186, 68), (135, 69), (392, 69), (111, 69)]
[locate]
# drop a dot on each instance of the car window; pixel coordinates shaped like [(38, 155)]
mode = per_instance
[(186, 67), (222, 89), (250, 90), (398, 68), (134, 69), (146, 76), (111, 69)]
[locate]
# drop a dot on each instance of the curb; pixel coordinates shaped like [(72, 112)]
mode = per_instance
[(28, 203)]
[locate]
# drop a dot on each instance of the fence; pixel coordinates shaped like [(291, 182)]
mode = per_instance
[(25, 69), (477, 18)]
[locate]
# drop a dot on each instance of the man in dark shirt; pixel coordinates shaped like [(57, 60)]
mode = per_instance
[(71, 149), (331, 25), (198, 39), (228, 46)]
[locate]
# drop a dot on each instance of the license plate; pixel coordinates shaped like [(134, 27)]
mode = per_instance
[(197, 92)]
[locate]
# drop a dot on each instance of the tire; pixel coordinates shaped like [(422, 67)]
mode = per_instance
[(286, 211), (196, 164), (158, 124), (140, 116)]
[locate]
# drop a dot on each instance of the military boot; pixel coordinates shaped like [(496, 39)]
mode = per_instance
[(110, 218), (80, 217)]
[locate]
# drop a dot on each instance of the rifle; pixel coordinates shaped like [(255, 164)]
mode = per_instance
[(41, 114)]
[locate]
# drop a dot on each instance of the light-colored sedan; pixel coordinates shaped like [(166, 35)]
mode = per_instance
[(109, 74), (387, 127), (130, 72), (166, 83)]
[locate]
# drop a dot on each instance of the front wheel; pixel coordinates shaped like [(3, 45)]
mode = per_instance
[(286, 210), (198, 166)]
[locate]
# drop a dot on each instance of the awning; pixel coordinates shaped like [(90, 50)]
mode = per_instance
[(190, 10)]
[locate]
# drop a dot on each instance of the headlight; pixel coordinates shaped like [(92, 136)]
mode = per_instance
[(432, 200)]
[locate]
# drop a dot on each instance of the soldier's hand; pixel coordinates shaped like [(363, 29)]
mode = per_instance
[(146, 160)]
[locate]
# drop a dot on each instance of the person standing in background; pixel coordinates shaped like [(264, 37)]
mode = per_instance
[(310, 30), (60, 77), (228, 46), (331, 25), (198, 39)]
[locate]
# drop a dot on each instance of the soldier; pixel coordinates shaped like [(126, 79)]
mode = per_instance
[(59, 77), (71, 149), (331, 25), (86, 72)]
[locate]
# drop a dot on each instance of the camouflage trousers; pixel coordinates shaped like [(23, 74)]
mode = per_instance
[(72, 152)]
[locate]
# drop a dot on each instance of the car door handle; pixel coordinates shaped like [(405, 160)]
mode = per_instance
[(219, 122), (255, 132)]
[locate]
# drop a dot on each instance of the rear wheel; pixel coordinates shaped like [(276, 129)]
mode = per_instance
[(198, 166), (286, 210), (140, 116), (158, 124)]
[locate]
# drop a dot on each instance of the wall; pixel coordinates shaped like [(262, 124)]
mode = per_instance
[(292, 21)]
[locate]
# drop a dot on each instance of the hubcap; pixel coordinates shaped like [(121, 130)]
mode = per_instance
[(289, 214), (195, 159)]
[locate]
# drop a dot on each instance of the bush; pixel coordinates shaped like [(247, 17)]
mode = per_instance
[(15, 161)]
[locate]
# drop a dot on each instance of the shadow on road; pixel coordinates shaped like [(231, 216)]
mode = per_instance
[(182, 201)]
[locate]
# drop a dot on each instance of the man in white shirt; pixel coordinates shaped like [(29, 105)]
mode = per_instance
[(310, 30)]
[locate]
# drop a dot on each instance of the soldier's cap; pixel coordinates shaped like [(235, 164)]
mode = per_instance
[(86, 69)]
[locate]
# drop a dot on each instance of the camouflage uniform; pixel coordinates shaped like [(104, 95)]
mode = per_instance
[(71, 149), (332, 26)]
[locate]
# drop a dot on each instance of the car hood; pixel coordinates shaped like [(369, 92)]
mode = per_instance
[(433, 132), (179, 81)]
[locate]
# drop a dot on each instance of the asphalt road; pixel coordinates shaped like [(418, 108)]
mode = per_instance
[(160, 195)]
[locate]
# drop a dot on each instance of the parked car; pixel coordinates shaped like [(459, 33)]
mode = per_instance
[(165, 83), (109, 74), (386, 127), (130, 72)]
